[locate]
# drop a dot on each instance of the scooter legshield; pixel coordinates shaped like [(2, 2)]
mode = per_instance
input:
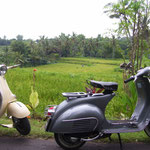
[(17, 109), (83, 118)]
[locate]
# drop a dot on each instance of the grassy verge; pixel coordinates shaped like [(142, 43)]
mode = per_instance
[(38, 131)]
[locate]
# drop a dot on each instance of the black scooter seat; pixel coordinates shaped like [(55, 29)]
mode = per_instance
[(112, 86)]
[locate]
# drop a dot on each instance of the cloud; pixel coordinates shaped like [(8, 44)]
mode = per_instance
[(34, 18)]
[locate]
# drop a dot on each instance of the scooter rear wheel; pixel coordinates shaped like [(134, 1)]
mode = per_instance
[(22, 125), (67, 142)]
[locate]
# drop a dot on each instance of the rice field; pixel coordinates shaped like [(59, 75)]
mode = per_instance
[(68, 75)]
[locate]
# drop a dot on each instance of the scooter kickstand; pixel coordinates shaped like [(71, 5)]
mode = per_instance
[(120, 142), (110, 139)]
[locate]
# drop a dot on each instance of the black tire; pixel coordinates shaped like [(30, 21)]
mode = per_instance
[(67, 142), (22, 125), (147, 130)]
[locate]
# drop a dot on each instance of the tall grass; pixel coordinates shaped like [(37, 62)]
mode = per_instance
[(67, 76)]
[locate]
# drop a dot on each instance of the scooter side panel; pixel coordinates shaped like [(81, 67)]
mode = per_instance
[(78, 119), (97, 101), (17, 109), (91, 106)]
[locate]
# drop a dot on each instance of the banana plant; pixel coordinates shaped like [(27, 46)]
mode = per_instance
[(33, 99)]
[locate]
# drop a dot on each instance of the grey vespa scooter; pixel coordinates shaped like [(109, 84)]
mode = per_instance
[(81, 117)]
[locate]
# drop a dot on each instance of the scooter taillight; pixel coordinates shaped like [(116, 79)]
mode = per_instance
[(50, 110)]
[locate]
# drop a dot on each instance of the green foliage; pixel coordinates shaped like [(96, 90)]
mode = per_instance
[(44, 50), (129, 99), (6, 55), (69, 75), (146, 61), (34, 100), (19, 46), (133, 16)]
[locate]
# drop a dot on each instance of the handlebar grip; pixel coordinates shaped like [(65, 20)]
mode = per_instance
[(130, 79), (14, 66)]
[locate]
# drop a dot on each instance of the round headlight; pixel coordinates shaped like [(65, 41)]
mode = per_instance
[(3, 69)]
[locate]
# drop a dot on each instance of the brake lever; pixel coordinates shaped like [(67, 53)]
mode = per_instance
[(135, 78)]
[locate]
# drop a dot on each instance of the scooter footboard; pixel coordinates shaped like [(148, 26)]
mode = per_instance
[(17, 109), (79, 119)]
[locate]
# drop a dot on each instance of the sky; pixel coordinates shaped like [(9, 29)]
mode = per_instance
[(50, 18)]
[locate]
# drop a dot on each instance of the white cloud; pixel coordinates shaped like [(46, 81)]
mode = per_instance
[(33, 18)]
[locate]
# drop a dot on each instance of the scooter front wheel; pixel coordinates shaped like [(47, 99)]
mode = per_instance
[(22, 125), (67, 142)]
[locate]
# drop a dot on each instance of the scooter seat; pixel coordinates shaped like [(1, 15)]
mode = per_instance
[(111, 86)]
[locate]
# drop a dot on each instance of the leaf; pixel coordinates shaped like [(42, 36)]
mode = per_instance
[(114, 16), (29, 107), (34, 98)]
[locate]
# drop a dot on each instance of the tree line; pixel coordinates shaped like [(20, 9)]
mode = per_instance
[(132, 40), (47, 50)]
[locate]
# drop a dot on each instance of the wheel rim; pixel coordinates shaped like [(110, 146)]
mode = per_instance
[(18, 124), (68, 142)]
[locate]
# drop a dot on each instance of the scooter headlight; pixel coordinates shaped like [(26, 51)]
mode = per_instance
[(3, 69)]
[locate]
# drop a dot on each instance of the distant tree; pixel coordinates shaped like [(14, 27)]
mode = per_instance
[(20, 48), (19, 37), (46, 50), (134, 19), (4, 41), (6, 55)]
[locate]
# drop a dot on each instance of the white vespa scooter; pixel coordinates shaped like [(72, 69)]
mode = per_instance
[(8, 103)]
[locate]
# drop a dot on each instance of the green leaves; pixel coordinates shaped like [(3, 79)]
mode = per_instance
[(133, 16), (34, 100)]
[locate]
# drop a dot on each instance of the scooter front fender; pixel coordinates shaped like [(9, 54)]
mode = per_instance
[(17, 109)]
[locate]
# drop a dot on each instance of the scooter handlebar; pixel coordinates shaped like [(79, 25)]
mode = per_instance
[(14, 66), (130, 79)]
